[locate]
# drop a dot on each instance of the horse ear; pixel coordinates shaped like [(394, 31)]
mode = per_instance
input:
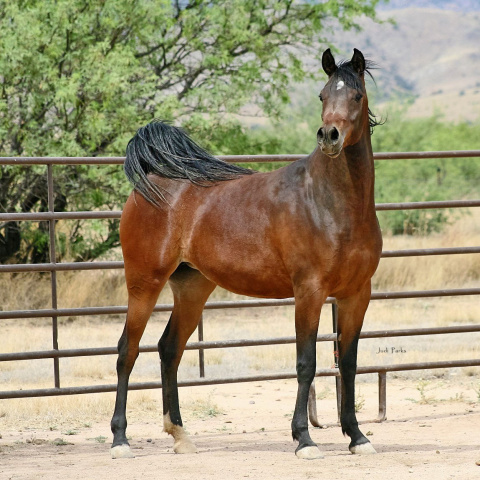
[(328, 62), (358, 61)]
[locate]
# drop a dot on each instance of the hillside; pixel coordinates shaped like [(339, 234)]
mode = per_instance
[(456, 5), (428, 60), (430, 56)]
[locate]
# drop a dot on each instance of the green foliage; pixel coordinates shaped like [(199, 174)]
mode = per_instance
[(424, 180), (79, 77)]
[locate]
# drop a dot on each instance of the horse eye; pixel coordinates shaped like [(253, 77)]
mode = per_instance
[(320, 97), (358, 97)]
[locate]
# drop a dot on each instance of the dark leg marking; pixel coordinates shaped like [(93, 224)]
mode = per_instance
[(351, 312)]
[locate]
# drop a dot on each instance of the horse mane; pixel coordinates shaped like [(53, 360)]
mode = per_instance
[(167, 151), (349, 75)]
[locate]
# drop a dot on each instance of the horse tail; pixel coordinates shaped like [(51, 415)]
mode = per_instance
[(167, 151)]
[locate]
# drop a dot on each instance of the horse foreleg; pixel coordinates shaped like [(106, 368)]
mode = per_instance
[(140, 306), (191, 290), (351, 312), (307, 315)]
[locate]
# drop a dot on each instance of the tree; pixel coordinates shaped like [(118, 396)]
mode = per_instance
[(78, 77)]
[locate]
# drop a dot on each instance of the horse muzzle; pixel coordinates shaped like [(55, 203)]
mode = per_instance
[(330, 140)]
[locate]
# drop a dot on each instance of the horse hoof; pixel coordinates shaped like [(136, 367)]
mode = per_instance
[(121, 451), (363, 449), (309, 453), (184, 446)]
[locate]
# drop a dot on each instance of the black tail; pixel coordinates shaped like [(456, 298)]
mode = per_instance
[(169, 152)]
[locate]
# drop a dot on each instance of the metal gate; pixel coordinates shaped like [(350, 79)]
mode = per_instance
[(54, 312)]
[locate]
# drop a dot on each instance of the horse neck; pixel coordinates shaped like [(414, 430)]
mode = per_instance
[(359, 162), (350, 177)]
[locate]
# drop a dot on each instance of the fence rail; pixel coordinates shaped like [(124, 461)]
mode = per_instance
[(235, 158), (115, 214), (66, 266), (205, 345), (282, 302), (54, 312)]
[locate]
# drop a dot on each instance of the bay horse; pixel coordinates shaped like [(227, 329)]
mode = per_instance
[(307, 230)]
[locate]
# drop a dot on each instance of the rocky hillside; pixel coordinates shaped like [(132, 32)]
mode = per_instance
[(430, 56)]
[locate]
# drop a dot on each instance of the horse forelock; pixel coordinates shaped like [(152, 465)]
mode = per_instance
[(345, 72)]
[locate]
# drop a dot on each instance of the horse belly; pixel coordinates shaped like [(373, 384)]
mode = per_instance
[(235, 238), (239, 256), (243, 272)]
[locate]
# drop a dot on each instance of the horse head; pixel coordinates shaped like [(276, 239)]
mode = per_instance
[(345, 104)]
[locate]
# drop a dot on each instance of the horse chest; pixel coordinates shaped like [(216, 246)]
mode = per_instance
[(357, 258)]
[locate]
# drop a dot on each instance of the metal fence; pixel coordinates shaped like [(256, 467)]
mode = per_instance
[(54, 312)]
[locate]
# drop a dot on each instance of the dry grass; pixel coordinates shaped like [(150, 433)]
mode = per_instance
[(451, 271), (202, 407), (74, 412), (91, 288)]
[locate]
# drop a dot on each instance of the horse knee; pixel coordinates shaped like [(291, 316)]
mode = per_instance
[(348, 366), (305, 371), (306, 364)]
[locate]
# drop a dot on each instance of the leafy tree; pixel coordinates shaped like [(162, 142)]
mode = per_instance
[(424, 180), (78, 77)]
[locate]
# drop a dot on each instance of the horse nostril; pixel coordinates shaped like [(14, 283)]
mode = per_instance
[(321, 134), (334, 135)]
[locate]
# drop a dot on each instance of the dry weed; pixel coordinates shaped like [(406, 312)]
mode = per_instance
[(202, 407)]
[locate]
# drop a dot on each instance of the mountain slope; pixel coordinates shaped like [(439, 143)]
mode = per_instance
[(455, 5), (430, 55)]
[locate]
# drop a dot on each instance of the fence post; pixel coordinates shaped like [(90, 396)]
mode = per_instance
[(338, 379), (53, 274), (201, 352), (382, 396)]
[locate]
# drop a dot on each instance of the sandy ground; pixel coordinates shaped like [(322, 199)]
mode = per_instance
[(244, 432)]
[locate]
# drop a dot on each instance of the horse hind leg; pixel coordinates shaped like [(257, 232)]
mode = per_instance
[(142, 296), (190, 290)]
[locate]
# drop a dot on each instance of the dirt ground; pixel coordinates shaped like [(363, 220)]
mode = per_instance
[(243, 431)]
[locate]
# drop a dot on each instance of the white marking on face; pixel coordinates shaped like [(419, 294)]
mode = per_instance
[(340, 84)]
